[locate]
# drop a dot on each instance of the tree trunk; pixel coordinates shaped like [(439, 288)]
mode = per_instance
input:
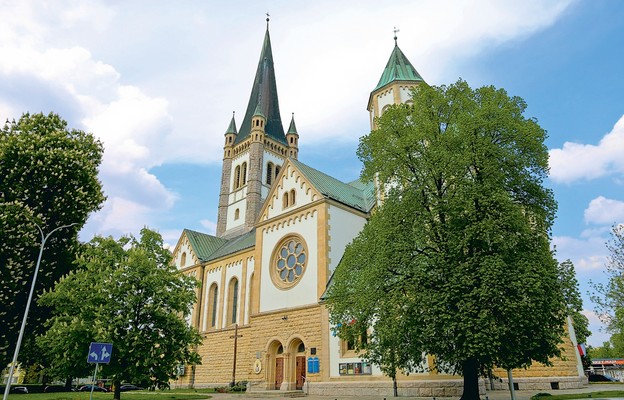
[(394, 386), (471, 379), (68, 383), (117, 387)]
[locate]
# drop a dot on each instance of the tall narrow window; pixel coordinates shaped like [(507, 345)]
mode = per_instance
[(269, 173), (183, 260), (277, 170), (285, 200), (292, 197), (233, 301), (237, 177), (244, 174), (213, 298), (236, 214)]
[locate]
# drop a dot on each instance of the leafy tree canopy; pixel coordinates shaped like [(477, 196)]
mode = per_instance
[(48, 177), (126, 292), (459, 249)]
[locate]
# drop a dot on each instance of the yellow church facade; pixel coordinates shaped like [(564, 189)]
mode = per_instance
[(282, 229)]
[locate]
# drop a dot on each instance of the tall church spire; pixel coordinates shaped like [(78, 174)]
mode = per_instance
[(253, 154), (264, 96)]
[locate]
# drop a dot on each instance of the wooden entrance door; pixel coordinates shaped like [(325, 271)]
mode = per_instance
[(279, 372), (300, 372)]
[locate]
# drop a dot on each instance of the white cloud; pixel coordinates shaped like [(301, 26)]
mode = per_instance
[(576, 161), (156, 95), (604, 211), (211, 226), (597, 328), (587, 254)]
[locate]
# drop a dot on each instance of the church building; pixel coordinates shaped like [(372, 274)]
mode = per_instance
[(282, 229)]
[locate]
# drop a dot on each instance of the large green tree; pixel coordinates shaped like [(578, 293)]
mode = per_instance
[(126, 292), (468, 259), (48, 177)]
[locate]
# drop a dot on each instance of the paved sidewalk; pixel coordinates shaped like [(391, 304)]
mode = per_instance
[(490, 394)]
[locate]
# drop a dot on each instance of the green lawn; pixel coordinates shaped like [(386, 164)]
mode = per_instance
[(191, 394), (602, 394)]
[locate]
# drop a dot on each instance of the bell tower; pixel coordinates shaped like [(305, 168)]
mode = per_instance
[(254, 154), (395, 84)]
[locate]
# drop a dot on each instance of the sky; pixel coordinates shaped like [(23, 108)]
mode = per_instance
[(157, 83)]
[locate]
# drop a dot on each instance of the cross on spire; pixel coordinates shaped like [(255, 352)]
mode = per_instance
[(267, 19), (395, 35)]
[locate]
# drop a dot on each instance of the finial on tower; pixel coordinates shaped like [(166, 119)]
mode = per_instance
[(395, 35), (267, 19)]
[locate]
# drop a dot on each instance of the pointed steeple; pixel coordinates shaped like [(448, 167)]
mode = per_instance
[(398, 68), (293, 139), (232, 127), (395, 85), (263, 97), (292, 129)]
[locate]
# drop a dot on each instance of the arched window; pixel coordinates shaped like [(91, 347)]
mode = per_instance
[(233, 301), (269, 173), (292, 197), (285, 200), (237, 177), (236, 214), (244, 174), (183, 260), (213, 298), (277, 170)]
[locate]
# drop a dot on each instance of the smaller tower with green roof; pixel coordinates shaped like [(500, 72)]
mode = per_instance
[(395, 84)]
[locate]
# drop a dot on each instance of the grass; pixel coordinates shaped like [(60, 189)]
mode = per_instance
[(180, 394), (600, 394)]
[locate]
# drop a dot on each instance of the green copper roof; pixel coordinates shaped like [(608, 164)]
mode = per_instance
[(264, 97), (208, 247), (203, 244), (356, 194), (232, 127), (258, 112), (398, 68), (236, 244), (292, 129)]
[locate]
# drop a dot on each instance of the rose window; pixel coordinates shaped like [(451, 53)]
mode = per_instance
[(289, 262)]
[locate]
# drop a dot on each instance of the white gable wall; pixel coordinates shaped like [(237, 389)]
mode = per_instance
[(305, 291), (303, 193), (343, 227), (185, 248)]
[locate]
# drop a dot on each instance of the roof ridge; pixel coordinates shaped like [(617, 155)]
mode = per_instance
[(336, 189)]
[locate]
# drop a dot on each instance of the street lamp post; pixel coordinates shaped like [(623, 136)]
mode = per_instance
[(44, 238)]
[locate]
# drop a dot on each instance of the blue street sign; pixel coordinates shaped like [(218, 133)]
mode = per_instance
[(100, 353)]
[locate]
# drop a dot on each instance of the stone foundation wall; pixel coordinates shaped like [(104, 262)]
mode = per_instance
[(217, 349), (542, 383), (417, 388)]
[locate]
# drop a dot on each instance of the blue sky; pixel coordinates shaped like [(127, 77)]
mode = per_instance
[(158, 81)]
